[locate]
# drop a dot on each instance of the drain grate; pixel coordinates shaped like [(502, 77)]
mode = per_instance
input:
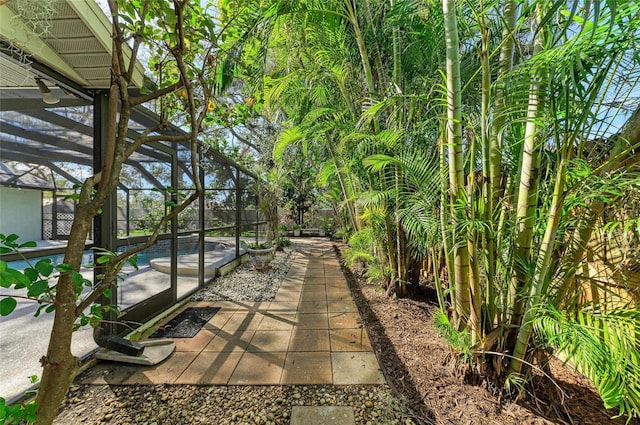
[(186, 324)]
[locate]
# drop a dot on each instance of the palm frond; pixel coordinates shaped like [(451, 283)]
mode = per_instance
[(603, 346), (460, 341), (359, 248), (287, 137)]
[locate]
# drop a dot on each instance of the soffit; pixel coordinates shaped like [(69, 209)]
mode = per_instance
[(75, 42)]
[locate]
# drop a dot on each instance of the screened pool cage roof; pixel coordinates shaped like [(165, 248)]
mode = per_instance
[(72, 59)]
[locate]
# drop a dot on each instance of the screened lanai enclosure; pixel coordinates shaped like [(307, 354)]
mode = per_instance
[(52, 131), (47, 151)]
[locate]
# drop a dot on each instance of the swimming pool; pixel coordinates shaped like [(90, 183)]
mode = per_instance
[(87, 257)]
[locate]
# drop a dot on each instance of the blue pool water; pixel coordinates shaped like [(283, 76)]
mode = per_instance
[(87, 258)]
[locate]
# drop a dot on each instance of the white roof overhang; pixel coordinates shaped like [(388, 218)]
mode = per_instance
[(76, 43)]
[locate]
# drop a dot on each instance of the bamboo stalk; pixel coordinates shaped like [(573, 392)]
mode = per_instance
[(462, 302), (541, 274), (529, 175)]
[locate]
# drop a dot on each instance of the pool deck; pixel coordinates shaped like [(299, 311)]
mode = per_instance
[(311, 333), (188, 263)]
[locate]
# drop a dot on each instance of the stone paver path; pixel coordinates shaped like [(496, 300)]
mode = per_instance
[(322, 415), (311, 333)]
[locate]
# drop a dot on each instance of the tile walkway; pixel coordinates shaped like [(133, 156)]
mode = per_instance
[(311, 333)]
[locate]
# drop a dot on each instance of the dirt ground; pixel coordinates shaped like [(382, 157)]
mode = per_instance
[(419, 365)]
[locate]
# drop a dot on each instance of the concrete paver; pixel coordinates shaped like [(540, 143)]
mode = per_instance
[(242, 320), (258, 369), (284, 306), (316, 306), (210, 367), (307, 368), (227, 342), (310, 340), (313, 296), (226, 306), (165, 372), (344, 320), (269, 341), (341, 306), (312, 321), (352, 368), (349, 340), (197, 343), (218, 320), (287, 298), (322, 415), (273, 321), (310, 334)]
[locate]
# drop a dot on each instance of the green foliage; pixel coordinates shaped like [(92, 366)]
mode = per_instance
[(362, 248), (10, 243), (260, 245), (151, 219), (514, 384), (359, 249), (7, 305), (602, 345), (298, 183), (417, 194), (17, 413), (95, 315), (376, 140), (460, 341), (285, 242), (256, 245), (35, 278), (39, 281)]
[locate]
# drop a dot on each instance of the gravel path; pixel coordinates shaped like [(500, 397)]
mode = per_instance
[(242, 405), (247, 405), (246, 284)]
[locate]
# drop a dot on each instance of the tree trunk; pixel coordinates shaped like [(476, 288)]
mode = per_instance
[(345, 192), (445, 214), (487, 189), (60, 366), (462, 302), (541, 274), (401, 242), (527, 201), (362, 48), (492, 148), (390, 239)]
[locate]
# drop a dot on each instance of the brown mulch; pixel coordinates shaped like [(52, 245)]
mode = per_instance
[(420, 366)]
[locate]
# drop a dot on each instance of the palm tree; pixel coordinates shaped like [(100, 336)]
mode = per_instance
[(524, 92), (549, 148)]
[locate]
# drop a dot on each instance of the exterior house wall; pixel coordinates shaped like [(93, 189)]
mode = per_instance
[(21, 213)]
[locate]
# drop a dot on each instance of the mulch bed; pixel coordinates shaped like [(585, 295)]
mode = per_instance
[(420, 366)]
